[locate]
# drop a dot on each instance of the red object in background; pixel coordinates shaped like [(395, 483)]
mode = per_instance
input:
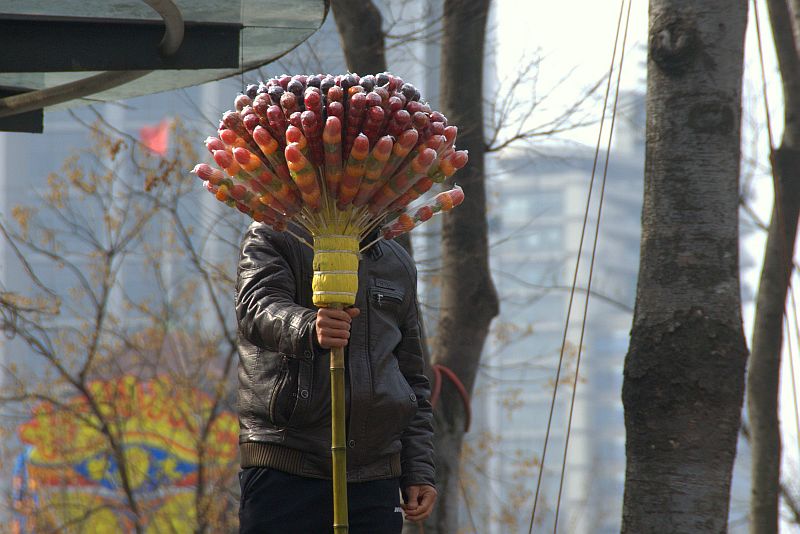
[(156, 137)]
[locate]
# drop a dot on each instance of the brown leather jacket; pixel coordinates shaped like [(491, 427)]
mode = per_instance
[(284, 381)]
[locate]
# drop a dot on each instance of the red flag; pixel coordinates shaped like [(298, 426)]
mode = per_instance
[(156, 137)]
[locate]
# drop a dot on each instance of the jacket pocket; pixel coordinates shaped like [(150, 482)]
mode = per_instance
[(384, 314), (394, 405), (283, 400), (386, 299), (408, 401), (311, 395)]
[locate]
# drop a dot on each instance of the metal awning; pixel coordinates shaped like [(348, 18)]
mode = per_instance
[(67, 53)]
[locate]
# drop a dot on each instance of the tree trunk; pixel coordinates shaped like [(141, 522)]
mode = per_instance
[(360, 27), (763, 377), (684, 371), (468, 297)]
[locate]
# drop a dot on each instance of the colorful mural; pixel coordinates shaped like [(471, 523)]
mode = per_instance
[(67, 476)]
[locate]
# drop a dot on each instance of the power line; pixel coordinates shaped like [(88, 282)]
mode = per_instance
[(591, 266), (575, 274)]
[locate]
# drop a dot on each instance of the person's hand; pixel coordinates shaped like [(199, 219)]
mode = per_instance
[(333, 326), (419, 501)]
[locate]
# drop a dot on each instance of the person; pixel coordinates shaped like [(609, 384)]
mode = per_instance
[(284, 392)]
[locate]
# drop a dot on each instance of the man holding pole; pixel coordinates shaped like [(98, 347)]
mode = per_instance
[(284, 392)]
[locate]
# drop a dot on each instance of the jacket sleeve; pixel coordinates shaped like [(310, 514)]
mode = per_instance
[(266, 311), (417, 456)]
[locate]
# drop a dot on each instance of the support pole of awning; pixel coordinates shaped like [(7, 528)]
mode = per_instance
[(173, 20)]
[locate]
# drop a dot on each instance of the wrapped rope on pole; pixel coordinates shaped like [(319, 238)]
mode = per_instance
[(335, 278)]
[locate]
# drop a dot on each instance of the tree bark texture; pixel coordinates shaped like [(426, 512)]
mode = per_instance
[(763, 379), (468, 297), (684, 371), (360, 26)]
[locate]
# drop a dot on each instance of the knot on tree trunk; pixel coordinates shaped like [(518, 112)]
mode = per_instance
[(674, 43)]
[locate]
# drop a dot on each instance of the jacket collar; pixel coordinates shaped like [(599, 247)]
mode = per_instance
[(375, 251)]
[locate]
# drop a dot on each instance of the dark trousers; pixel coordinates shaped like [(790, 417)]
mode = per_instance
[(274, 502)]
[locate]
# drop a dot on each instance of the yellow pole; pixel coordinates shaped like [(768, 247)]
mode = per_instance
[(338, 445)]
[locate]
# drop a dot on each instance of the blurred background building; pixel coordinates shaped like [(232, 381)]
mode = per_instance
[(536, 231)]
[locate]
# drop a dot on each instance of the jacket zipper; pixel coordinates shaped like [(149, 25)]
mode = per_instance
[(381, 296)]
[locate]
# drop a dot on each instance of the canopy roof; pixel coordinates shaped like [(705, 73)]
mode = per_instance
[(61, 54)]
